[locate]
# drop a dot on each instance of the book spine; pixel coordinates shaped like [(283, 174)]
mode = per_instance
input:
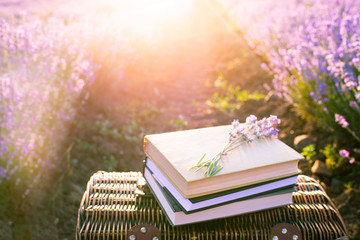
[(144, 146)]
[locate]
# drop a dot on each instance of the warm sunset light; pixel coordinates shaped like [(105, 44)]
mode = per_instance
[(148, 16), (84, 84), (154, 9)]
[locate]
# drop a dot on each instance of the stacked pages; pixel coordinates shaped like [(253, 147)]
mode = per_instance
[(255, 176)]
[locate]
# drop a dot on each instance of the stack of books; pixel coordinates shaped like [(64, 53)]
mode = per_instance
[(254, 176)]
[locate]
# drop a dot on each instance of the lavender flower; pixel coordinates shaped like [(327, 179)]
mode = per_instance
[(357, 96), (353, 104), (3, 173), (349, 83), (251, 119), (251, 130), (235, 124), (344, 153), (341, 120)]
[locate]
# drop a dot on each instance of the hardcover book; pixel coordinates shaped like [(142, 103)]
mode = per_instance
[(177, 217), (221, 198), (250, 163)]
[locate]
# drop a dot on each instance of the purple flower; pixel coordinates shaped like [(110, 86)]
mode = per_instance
[(235, 123), (344, 153), (251, 119), (274, 120), (253, 129), (341, 120), (349, 83), (313, 96), (321, 88), (357, 95), (352, 160), (353, 104), (3, 173)]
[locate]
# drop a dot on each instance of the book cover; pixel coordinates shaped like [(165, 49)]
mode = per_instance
[(261, 160), (178, 217), (217, 199)]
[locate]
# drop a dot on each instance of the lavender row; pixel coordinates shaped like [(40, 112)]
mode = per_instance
[(48, 67), (312, 48), (44, 69)]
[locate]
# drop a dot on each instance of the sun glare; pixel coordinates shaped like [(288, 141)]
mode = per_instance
[(146, 16)]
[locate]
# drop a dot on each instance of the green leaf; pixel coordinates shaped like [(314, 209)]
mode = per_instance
[(210, 169), (201, 159), (219, 168)]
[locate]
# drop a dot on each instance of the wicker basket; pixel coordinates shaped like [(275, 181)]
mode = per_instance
[(115, 202)]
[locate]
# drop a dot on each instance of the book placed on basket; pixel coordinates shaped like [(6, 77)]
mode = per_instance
[(176, 216), (221, 198), (250, 163)]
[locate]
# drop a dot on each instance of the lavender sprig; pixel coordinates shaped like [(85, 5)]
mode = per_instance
[(239, 134), (341, 120)]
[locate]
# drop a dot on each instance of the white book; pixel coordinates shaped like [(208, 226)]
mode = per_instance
[(177, 217), (191, 205)]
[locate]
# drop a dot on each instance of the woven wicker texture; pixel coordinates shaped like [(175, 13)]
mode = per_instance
[(115, 202)]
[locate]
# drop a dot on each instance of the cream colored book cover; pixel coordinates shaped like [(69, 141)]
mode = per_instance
[(184, 149)]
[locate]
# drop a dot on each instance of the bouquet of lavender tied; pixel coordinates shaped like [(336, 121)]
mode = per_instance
[(251, 130)]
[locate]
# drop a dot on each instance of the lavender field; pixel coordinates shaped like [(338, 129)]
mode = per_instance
[(81, 83)]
